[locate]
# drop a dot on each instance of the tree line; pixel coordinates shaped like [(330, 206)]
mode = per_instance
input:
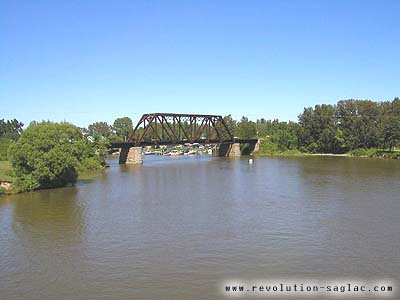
[(344, 127), (119, 131)]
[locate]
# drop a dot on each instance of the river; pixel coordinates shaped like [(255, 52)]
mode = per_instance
[(179, 227)]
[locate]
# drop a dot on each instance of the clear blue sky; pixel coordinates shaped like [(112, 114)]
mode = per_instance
[(86, 61)]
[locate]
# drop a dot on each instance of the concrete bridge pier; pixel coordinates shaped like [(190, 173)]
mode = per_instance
[(229, 149), (131, 155), (250, 147)]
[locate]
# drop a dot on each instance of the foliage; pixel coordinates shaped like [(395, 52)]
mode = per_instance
[(50, 154), (99, 130), (391, 124), (392, 155), (284, 135), (268, 147), (373, 152), (278, 136), (5, 142), (319, 131), (10, 129), (246, 129), (231, 124), (349, 125), (6, 171), (123, 127), (360, 122)]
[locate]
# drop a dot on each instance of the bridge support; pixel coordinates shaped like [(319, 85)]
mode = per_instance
[(257, 145), (229, 149), (131, 155)]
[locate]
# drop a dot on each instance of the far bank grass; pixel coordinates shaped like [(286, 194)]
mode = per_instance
[(294, 153), (280, 153), (267, 148)]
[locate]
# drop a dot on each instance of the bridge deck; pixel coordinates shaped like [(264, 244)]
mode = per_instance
[(202, 142)]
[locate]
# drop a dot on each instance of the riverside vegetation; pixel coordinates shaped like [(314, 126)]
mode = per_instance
[(48, 154), (356, 127)]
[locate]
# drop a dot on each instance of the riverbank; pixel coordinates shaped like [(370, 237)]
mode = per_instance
[(300, 154), (7, 181), (382, 155)]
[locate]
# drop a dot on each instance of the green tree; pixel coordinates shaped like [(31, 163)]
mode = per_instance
[(10, 129), (318, 131), (246, 129), (391, 124), (50, 155), (231, 124), (264, 127), (4, 144), (99, 130), (361, 123), (284, 135), (123, 127)]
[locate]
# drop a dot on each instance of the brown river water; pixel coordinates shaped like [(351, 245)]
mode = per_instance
[(180, 227)]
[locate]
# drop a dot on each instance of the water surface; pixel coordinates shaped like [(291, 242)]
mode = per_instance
[(178, 227)]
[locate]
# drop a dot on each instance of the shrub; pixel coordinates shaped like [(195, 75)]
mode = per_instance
[(267, 147), (373, 152), (50, 154)]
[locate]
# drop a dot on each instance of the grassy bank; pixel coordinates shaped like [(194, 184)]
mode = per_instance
[(294, 153), (268, 148), (280, 153), (373, 152)]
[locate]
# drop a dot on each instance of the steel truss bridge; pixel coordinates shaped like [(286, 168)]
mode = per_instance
[(173, 129)]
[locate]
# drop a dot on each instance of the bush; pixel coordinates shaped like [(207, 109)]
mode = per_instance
[(373, 152), (50, 155), (267, 147), (393, 155), (389, 154)]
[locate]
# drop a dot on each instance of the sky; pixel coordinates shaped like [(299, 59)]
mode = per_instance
[(88, 61)]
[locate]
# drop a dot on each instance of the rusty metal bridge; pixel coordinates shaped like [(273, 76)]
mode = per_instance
[(173, 129)]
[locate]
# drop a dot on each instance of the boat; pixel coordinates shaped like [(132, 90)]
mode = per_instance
[(176, 152), (191, 152)]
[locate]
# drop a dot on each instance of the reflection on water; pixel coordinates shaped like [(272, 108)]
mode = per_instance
[(176, 227)]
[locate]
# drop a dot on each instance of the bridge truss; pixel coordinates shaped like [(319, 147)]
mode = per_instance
[(170, 128)]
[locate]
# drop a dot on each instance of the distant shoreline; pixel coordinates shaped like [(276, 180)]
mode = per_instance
[(302, 155), (330, 154), (318, 155)]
